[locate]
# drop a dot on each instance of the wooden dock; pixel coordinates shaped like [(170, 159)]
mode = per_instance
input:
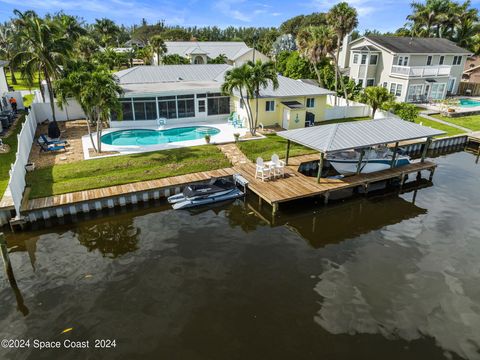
[(296, 185), (122, 190)]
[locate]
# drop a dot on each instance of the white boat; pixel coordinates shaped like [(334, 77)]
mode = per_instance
[(207, 193), (346, 162)]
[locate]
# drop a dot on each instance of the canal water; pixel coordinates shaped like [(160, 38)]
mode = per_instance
[(382, 277)]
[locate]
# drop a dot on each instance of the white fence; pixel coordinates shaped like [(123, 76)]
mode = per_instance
[(354, 109), (71, 110), (16, 183)]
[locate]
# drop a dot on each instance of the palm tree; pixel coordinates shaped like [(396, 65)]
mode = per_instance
[(86, 47), (146, 54), (107, 31), (97, 92), (314, 43), (238, 80), (263, 74), (44, 49), (376, 97), (9, 47), (427, 17), (343, 19), (159, 47)]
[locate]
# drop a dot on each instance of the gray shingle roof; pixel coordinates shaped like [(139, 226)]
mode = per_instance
[(231, 49), (401, 44), (172, 73), (358, 134)]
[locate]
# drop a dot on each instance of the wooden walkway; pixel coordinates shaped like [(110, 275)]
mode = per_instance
[(113, 191), (474, 136), (296, 185)]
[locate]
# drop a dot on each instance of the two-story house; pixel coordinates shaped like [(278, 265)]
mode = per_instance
[(413, 69)]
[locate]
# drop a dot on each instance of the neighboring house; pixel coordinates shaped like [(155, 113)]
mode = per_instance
[(199, 52), (471, 72), (191, 93), (413, 69)]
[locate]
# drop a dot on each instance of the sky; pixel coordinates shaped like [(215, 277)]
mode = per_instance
[(382, 15)]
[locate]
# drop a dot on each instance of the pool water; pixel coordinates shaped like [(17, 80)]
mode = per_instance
[(147, 137), (469, 103)]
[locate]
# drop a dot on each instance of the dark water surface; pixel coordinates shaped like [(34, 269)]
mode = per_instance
[(369, 278)]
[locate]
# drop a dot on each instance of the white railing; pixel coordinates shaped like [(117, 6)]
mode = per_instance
[(421, 71), (16, 184)]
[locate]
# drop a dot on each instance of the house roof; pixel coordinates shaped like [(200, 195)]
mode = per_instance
[(414, 45), (358, 134), (150, 79), (172, 73), (3, 63), (290, 88), (231, 49)]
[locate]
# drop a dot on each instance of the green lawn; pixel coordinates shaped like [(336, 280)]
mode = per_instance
[(470, 122), (450, 130), (9, 158), (21, 83), (272, 144), (91, 174)]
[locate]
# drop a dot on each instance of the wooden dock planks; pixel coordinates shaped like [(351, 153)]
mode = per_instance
[(111, 191), (296, 185)]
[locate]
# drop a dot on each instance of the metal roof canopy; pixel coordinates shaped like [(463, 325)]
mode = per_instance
[(358, 134)]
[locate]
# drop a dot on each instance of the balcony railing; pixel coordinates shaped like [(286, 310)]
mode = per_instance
[(421, 71)]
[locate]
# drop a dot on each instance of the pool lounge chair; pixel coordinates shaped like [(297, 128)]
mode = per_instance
[(49, 148), (52, 142)]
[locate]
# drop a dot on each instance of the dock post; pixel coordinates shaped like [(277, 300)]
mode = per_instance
[(274, 209), (394, 156), (402, 181), (288, 152), (432, 171), (326, 196), (320, 167), (425, 149), (365, 188), (259, 202)]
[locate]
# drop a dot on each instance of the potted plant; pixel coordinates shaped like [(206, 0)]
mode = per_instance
[(207, 138), (236, 136)]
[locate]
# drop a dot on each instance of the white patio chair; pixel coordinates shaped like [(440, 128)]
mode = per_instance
[(262, 171), (278, 166)]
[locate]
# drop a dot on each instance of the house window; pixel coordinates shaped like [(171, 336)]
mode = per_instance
[(242, 104), (186, 106), (127, 110), (218, 105), (398, 92), (400, 61), (201, 106), (364, 60), (355, 58), (370, 82), (405, 61), (429, 60), (393, 86), (385, 84), (145, 108), (360, 82), (270, 105), (457, 60), (373, 59), (442, 59), (310, 102), (167, 107)]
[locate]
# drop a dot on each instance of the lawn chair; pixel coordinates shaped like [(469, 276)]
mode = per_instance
[(52, 142), (278, 166), (262, 171), (49, 148)]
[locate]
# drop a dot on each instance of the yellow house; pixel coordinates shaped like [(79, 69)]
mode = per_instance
[(294, 104)]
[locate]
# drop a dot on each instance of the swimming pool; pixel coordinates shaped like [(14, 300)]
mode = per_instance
[(145, 137), (469, 103)]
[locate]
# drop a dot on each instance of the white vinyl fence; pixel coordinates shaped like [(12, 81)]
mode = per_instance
[(18, 172), (354, 109)]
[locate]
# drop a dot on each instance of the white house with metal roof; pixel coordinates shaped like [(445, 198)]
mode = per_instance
[(191, 93), (199, 52), (412, 69)]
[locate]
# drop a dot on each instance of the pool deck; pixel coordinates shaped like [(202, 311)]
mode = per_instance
[(224, 136)]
